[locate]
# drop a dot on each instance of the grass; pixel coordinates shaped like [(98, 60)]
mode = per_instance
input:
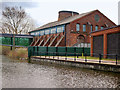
[(18, 53), (88, 57)]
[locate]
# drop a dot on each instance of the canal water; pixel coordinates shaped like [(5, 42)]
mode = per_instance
[(16, 74)]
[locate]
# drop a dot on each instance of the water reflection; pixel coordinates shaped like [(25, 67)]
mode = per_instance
[(21, 75)]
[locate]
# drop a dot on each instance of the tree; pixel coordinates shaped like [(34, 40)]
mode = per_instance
[(15, 21)]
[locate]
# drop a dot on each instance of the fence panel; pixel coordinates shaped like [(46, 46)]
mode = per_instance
[(51, 51), (42, 50), (61, 51), (87, 51), (71, 51), (79, 51)]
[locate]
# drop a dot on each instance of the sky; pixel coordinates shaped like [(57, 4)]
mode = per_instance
[(45, 11)]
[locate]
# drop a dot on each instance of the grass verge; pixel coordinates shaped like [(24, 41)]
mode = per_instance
[(18, 53)]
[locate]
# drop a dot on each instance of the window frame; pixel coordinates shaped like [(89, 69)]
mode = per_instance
[(97, 28), (84, 27), (77, 27), (102, 27), (91, 27)]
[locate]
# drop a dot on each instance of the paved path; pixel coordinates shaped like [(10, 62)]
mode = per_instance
[(80, 60)]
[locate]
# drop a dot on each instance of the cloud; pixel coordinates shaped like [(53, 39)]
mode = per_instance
[(119, 12), (22, 4)]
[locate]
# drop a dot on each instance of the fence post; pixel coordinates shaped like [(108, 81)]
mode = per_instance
[(58, 55), (85, 57), (34, 50), (47, 50), (53, 55), (66, 54), (40, 54), (116, 59), (74, 53), (29, 57), (99, 58), (37, 50)]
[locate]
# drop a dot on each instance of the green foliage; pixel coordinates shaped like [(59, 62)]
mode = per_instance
[(18, 41), (4, 50), (19, 53)]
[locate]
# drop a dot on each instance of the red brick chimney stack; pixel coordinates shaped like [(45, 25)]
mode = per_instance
[(65, 14)]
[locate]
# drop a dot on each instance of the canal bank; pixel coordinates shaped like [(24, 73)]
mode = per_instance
[(81, 64), (45, 75)]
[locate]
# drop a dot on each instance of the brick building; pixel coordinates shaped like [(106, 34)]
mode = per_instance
[(108, 40), (71, 29)]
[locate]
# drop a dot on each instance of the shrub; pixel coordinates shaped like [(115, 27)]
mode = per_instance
[(19, 53), (4, 50)]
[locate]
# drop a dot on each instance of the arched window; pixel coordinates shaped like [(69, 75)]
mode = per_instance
[(77, 27), (102, 27), (91, 28), (96, 27), (84, 28)]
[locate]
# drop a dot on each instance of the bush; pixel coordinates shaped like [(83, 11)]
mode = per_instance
[(19, 53), (4, 50)]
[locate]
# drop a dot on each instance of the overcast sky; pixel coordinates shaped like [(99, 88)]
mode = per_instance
[(44, 11)]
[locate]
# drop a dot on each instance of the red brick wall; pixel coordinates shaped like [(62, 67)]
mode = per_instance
[(63, 15), (72, 36)]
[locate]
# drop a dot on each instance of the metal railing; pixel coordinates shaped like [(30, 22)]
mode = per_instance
[(76, 57)]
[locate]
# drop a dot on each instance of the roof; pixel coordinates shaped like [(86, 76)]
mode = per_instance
[(105, 29), (16, 35), (68, 11), (64, 21)]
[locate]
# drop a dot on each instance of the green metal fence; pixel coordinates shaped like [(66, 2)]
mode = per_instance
[(18, 41), (57, 51)]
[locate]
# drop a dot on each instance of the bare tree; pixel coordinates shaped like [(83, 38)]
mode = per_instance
[(15, 21)]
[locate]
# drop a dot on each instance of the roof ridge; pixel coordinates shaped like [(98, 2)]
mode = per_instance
[(64, 21)]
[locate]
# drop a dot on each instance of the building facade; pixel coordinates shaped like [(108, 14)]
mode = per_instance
[(71, 29), (106, 42)]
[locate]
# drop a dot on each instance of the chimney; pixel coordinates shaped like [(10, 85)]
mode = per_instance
[(65, 14)]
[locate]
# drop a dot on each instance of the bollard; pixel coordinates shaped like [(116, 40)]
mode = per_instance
[(82, 55)]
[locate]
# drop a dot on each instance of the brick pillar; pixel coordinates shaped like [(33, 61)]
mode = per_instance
[(105, 46), (91, 40)]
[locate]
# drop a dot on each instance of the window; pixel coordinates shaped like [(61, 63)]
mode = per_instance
[(59, 29), (42, 32), (84, 28), (53, 30), (77, 27), (96, 28), (91, 28), (47, 32), (102, 27), (32, 34)]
